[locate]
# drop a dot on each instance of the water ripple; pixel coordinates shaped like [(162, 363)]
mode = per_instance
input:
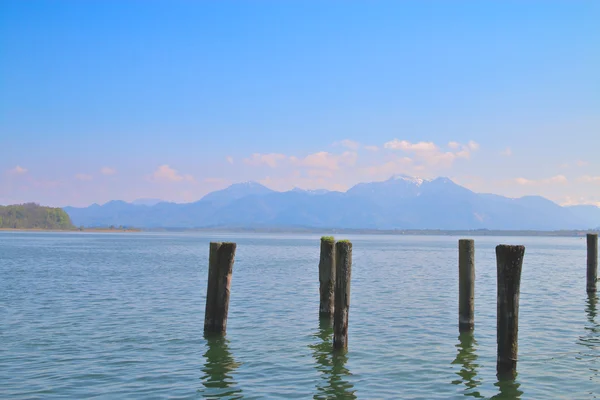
[(121, 316)]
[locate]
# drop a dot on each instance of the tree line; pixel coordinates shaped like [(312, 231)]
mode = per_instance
[(34, 216)]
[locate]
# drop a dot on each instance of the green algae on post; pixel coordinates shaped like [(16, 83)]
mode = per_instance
[(327, 277)]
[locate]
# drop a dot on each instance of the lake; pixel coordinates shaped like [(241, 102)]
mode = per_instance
[(121, 316)]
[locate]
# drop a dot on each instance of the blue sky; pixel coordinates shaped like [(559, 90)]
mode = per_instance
[(104, 100)]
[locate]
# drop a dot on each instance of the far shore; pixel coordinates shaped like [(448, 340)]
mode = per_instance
[(93, 230), (324, 231), (408, 232)]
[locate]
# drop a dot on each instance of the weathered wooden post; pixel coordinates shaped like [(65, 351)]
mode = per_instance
[(509, 260), (343, 266), (592, 262), (220, 268), (466, 285), (327, 277)]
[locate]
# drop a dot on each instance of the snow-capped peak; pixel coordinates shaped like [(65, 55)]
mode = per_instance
[(310, 191), (415, 180)]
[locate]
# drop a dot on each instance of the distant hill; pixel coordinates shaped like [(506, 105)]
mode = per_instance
[(587, 213), (235, 192), (401, 202), (34, 216), (146, 202)]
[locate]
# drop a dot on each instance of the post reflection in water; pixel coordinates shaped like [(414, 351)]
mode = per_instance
[(467, 358), (508, 388), (218, 366), (591, 339), (331, 365)]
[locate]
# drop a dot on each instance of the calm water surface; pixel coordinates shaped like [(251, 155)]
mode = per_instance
[(121, 316)]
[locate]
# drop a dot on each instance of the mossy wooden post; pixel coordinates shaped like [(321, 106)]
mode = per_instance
[(509, 260), (327, 277), (343, 272), (466, 285), (592, 262), (220, 268)]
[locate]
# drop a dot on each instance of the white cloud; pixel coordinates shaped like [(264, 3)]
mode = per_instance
[(325, 160), (83, 177), (576, 201), (589, 179), (349, 144), (507, 152), (229, 159), (327, 169), (270, 159), (108, 171), (431, 154), (320, 173), (578, 163), (472, 145), (405, 145), (395, 166), (18, 170), (164, 173), (558, 179), (523, 181)]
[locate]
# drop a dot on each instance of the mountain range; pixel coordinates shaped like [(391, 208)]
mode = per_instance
[(401, 202)]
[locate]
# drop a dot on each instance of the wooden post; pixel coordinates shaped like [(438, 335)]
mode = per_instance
[(343, 266), (509, 260), (327, 277), (466, 285), (220, 268), (592, 262)]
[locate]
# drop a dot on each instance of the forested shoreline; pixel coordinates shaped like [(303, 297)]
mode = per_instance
[(34, 216)]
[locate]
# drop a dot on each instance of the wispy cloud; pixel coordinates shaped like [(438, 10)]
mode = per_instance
[(395, 166), (577, 201), (507, 152), (320, 173), (589, 179), (431, 154), (83, 177), (472, 145), (164, 173), (18, 170), (326, 169), (270, 159), (229, 159), (108, 171), (325, 160), (577, 163), (215, 180), (349, 144), (405, 145), (558, 179)]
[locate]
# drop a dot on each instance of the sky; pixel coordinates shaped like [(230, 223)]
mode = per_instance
[(104, 100)]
